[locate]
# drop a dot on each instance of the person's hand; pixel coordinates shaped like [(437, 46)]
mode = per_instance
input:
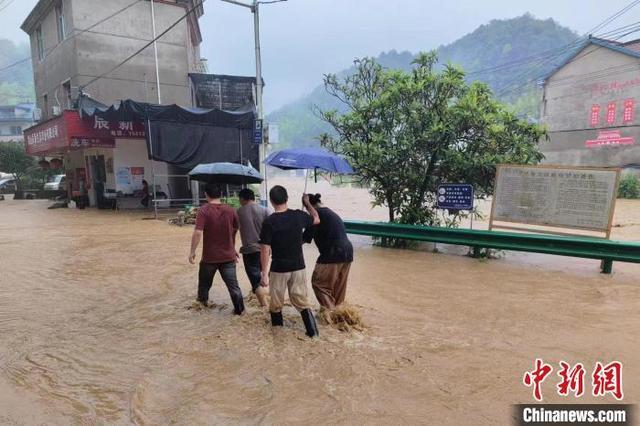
[(192, 258), (305, 199), (264, 282), (237, 257)]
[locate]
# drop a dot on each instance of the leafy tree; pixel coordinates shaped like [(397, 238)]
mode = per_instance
[(407, 132), (14, 160), (629, 187)]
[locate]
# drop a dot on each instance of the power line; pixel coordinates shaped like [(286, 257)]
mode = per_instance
[(136, 53), (5, 5), (510, 85), (119, 11), (511, 88)]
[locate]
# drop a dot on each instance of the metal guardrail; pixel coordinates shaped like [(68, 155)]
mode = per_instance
[(586, 247)]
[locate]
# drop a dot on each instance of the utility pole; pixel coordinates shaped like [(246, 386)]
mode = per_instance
[(155, 49), (255, 9)]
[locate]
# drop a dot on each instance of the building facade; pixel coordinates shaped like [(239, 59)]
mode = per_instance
[(14, 119), (590, 105), (75, 41), (78, 48)]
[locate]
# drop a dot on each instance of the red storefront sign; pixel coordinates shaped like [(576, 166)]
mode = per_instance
[(46, 137), (69, 131), (609, 138)]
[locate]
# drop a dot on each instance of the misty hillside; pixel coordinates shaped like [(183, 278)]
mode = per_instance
[(16, 82), (499, 43)]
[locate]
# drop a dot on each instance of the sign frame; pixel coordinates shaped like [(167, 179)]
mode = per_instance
[(607, 231)]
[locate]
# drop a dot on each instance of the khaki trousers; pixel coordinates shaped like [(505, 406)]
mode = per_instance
[(329, 282), (295, 282)]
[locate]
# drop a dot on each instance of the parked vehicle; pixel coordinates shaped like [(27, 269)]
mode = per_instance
[(56, 183), (8, 186)]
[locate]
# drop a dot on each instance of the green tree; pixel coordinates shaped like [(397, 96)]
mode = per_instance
[(407, 132), (14, 160)]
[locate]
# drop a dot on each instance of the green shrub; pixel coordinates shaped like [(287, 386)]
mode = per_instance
[(629, 187)]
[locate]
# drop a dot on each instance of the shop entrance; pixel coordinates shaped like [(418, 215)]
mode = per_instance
[(98, 178)]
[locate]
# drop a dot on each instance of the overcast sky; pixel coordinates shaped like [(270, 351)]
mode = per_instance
[(303, 39)]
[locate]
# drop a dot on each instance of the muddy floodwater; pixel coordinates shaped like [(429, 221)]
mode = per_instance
[(95, 328)]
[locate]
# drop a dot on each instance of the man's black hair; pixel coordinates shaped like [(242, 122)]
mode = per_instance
[(247, 194), (278, 195), (213, 190)]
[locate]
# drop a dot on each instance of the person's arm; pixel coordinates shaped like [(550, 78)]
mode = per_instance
[(312, 211), (265, 262), (197, 236), (266, 233), (195, 241)]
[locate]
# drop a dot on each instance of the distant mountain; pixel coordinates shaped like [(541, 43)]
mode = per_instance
[(498, 53), (16, 76)]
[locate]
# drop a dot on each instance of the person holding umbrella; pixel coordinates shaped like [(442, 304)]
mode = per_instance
[(282, 236), (329, 279)]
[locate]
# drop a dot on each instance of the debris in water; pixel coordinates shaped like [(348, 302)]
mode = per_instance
[(185, 217), (344, 318)]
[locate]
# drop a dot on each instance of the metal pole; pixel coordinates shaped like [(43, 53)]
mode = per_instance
[(155, 49), (153, 171), (262, 149)]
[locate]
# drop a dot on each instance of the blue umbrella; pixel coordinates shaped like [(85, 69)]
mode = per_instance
[(309, 158), (229, 173)]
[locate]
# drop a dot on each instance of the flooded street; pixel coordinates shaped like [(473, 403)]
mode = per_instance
[(95, 328)]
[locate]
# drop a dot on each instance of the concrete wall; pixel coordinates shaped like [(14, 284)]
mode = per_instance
[(599, 77), (91, 53), (59, 63)]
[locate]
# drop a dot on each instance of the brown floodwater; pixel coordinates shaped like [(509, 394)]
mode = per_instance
[(95, 328)]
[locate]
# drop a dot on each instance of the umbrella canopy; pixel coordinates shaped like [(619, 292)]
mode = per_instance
[(309, 158), (230, 173)]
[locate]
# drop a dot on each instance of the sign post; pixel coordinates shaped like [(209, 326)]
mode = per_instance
[(455, 197)]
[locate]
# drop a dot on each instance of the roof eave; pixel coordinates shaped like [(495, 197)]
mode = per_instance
[(36, 15), (585, 44)]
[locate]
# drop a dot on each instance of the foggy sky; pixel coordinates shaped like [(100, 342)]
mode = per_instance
[(303, 39)]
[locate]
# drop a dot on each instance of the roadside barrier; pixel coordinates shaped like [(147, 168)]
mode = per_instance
[(607, 251)]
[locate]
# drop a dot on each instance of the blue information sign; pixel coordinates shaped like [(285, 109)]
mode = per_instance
[(455, 196), (257, 132)]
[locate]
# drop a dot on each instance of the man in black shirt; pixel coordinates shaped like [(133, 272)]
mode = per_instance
[(281, 239)]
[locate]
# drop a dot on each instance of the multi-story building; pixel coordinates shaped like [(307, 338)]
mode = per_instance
[(94, 48), (590, 106), (14, 119), (75, 41)]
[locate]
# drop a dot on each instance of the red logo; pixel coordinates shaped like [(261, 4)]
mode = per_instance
[(605, 379)]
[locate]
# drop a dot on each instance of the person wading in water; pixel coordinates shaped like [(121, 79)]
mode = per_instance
[(252, 215), (283, 266), (217, 225), (329, 279)]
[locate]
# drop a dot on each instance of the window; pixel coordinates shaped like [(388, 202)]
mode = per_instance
[(66, 89), (40, 43), (45, 107), (62, 29)]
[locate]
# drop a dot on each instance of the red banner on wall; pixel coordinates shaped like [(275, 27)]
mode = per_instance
[(69, 131)]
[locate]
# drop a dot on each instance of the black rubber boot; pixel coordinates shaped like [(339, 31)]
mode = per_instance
[(276, 319), (238, 306), (309, 322)]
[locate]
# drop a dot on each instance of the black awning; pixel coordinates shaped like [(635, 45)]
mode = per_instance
[(141, 111), (187, 137)]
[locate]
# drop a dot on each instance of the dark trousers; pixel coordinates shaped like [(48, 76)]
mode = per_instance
[(253, 269), (228, 273)]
